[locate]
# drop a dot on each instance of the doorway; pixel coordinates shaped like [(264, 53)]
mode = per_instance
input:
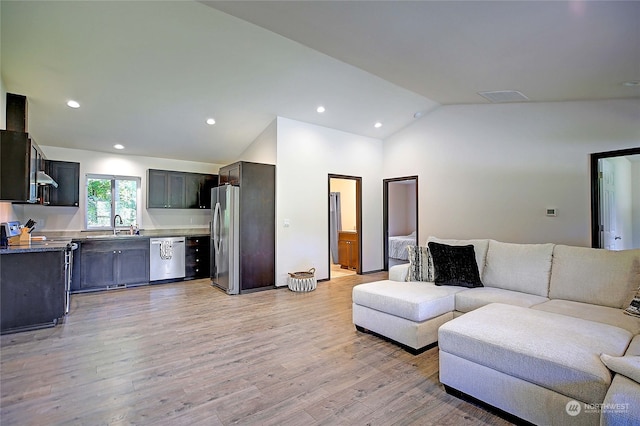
[(345, 225), (615, 199), (400, 217)]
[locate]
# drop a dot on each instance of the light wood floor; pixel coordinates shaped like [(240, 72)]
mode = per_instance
[(186, 353)]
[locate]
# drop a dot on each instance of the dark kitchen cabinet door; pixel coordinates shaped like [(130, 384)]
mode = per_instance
[(67, 176), (157, 189), (208, 182), (198, 190), (133, 265), (97, 267), (177, 190)]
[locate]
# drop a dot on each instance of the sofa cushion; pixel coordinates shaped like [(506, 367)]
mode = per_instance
[(413, 301), (554, 351), (474, 298), (454, 265), (479, 247), (596, 276), (419, 264), (519, 267), (598, 313), (622, 404), (628, 365)]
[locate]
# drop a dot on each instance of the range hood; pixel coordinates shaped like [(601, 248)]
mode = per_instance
[(44, 179)]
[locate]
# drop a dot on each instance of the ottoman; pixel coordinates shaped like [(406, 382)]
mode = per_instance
[(408, 313), (534, 365)]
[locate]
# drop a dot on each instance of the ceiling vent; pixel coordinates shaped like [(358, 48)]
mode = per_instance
[(502, 96)]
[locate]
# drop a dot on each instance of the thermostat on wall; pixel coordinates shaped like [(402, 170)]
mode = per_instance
[(552, 212)]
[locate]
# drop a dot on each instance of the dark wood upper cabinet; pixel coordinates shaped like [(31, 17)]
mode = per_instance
[(20, 160), (179, 190), (17, 113), (67, 175)]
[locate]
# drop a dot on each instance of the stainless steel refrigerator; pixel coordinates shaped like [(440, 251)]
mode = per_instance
[(225, 225)]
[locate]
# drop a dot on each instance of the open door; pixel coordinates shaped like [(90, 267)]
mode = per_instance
[(400, 218), (345, 225), (615, 197)]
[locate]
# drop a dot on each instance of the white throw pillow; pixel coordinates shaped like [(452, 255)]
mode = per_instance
[(628, 366)]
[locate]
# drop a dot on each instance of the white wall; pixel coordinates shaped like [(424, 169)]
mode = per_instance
[(72, 219), (264, 147), (347, 190), (490, 171), (307, 154)]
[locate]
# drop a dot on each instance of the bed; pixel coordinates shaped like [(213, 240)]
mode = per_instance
[(398, 245)]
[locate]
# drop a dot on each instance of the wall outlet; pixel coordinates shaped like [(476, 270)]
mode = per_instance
[(552, 212)]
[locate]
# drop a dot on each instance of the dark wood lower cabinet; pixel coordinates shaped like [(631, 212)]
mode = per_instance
[(32, 290), (112, 264), (197, 257), (348, 253)]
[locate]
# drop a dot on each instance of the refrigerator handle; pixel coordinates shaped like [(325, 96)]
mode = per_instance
[(214, 231)]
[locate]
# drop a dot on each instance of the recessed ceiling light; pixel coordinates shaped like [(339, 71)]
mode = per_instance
[(320, 109), (211, 121), (377, 125), (632, 83), (73, 104), (118, 146)]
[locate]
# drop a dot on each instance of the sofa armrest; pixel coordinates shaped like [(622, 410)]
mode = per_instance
[(399, 272)]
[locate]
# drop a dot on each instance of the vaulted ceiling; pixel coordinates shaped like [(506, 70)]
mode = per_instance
[(148, 74)]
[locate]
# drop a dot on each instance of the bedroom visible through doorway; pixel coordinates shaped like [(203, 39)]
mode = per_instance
[(400, 218)]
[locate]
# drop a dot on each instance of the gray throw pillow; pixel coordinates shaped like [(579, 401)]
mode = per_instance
[(419, 264)]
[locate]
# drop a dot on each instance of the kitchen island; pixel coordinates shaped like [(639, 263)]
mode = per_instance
[(34, 282)]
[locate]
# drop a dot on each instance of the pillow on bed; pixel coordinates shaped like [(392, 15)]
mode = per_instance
[(454, 265), (419, 261)]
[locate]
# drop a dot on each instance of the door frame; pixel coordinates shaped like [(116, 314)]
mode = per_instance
[(358, 180), (385, 214), (595, 189)]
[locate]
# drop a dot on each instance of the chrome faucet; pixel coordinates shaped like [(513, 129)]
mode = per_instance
[(114, 223)]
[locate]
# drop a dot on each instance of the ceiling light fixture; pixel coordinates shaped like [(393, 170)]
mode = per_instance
[(632, 83), (418, 114), (118, 146), (320, 109), (377, 125), (211, 121), (73, 104)]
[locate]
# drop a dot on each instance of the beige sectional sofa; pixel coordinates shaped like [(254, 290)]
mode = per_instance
[(529, 341)]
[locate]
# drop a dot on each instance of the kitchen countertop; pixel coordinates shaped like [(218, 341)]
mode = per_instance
[(37, 246), (58, 240)]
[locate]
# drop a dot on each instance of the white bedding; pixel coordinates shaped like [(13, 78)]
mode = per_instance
[(398, 246)]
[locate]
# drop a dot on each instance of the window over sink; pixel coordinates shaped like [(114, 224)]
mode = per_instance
[(108, 196)]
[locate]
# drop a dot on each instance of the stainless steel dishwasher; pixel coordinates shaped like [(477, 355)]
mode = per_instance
[(166, 258)]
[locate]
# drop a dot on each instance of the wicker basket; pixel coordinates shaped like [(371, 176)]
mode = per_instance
[(302, 281)]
